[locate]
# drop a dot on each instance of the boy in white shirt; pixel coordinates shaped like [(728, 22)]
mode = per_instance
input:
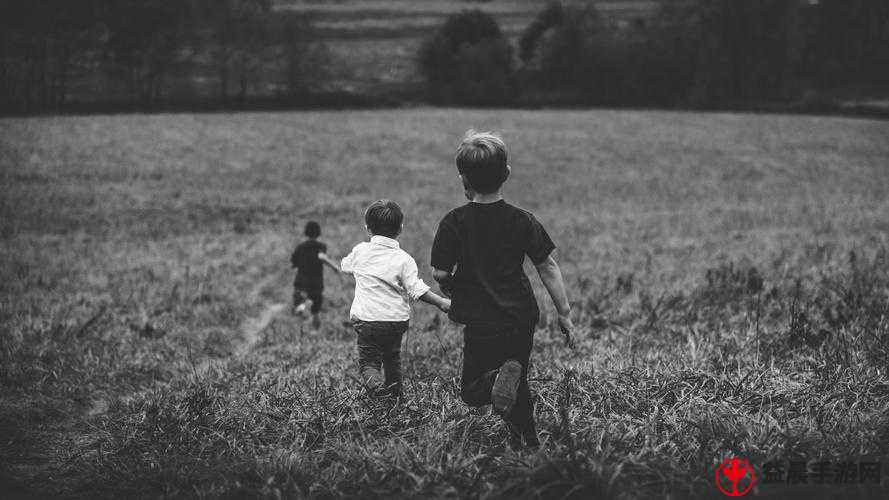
[(386, 281)]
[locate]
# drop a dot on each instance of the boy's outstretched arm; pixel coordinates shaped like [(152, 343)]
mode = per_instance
[(417, 290), (552, 279), (330, 262), (347, 266), (437, 300)]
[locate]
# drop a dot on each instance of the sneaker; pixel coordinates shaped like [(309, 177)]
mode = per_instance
[(506, 386), (373, 380)]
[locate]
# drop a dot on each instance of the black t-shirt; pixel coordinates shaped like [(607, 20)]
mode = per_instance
[(488, 243), (309, 274)]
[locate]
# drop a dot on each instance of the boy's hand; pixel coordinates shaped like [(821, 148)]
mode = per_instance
[(567, 327), (430, 297), (551, 276), (444, 281)]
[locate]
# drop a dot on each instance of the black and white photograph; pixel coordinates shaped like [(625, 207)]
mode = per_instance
[(461, 249)]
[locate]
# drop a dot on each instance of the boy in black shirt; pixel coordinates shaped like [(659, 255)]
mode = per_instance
[(477, 258), (309, 259)]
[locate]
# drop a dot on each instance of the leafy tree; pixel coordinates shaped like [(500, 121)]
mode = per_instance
[(850, 42), (146, 39), (303, 60), (551, 16), (468, 61), (572, 51), (240, 37), (43, 43), (747, 50)]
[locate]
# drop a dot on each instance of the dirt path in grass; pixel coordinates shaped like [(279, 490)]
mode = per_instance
[(252, 326), (44, 456), (250, 329)]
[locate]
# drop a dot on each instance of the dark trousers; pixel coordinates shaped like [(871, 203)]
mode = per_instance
[(314, 294), (484, 351), (379, 343)]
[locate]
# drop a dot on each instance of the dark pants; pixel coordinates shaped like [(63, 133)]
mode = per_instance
[(315, 295), (379, 343), (484, 351)]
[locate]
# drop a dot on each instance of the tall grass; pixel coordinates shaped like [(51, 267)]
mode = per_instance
[(728, 275)]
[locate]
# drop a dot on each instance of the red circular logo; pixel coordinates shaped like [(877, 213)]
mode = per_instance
[(735, 477)]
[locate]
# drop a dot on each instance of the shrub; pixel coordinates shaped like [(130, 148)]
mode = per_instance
[(571, 53), (468, 61), (704, 52)]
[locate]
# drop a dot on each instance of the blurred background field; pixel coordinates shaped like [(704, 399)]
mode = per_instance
[(373, 45), (728, 274), (82, 56)]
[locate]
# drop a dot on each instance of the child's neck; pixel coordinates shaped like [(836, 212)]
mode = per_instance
[(486, 198)]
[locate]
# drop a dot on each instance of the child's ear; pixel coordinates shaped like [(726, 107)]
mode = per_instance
[(467, 189), (367, 230), (508, 171)]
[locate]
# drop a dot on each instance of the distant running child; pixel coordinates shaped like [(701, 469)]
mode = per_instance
[(309, 259), (386, 282), (477, 258)]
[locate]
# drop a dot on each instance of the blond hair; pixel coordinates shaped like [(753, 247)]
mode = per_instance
[(481, 160)]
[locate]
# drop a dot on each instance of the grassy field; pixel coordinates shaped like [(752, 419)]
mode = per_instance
[(729, 276)]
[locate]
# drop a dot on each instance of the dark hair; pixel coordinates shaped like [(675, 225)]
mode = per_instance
[(384, 217), (481, 160), (313, 229)]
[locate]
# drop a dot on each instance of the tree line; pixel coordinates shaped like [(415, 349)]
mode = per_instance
[(145, 53), (161, 54), (689, 53)]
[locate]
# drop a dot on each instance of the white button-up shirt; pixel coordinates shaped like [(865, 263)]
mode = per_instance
[(385, 280)]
